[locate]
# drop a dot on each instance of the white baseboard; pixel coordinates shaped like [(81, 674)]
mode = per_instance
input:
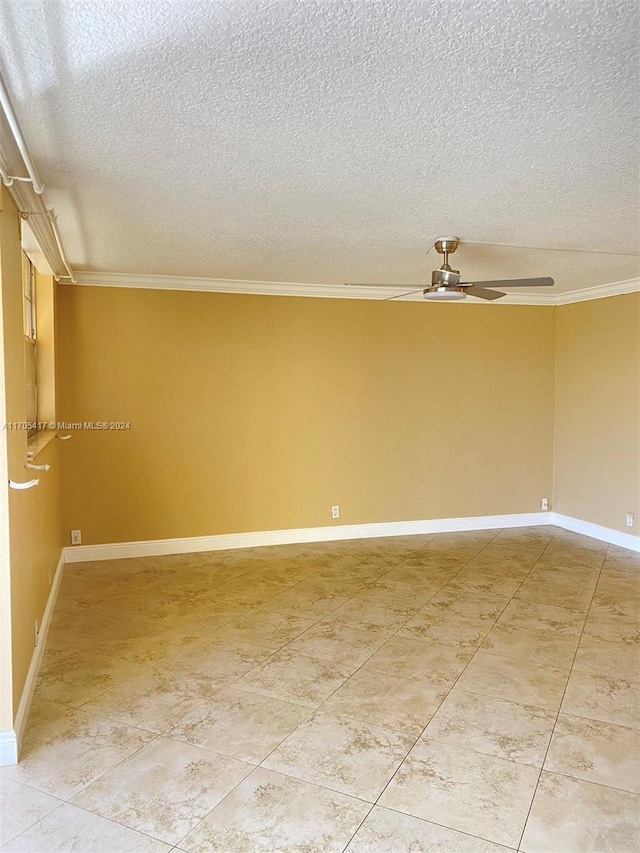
[(8, 748), (224, 542), (230, 541), (597, 531), (10, 741)]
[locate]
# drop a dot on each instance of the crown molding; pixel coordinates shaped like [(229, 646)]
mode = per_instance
[(600, 291), (330, 291)]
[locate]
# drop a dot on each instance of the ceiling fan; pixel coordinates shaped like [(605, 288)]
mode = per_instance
[(446, 284)]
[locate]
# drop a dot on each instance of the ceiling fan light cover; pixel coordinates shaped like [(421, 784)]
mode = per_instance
[(444, 295)]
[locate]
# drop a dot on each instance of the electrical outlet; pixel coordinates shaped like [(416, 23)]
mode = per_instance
[(544, 504), (335, 512), (36, 633), (630, 519), (76, 537)]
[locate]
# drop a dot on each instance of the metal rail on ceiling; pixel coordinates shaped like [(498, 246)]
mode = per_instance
[(26, 190)]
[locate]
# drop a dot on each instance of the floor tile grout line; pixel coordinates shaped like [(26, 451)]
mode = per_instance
[(116, 822), (72, 710), (544, 760), (375, 652), (204, 817), (372, 583), (318, 708), (69, 800), (456, 681), (480, 752), (165, 734), (316, 785), (39, 820), (359, 827), (598, 720), (495, 622), (260, 766), (444, 826), (152, 664), (297, 636), (320, 620), (156, 737), (591, 782), (234, 681), (204, 592), (213, 630), (122, 761), (89, 647)]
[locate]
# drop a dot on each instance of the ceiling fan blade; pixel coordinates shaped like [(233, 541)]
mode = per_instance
[(513, 282), (400, 295), (483, 293), (380, 284)]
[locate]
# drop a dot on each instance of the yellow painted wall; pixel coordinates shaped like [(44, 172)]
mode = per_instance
[(257, 413), (32, 519), (597, 469)]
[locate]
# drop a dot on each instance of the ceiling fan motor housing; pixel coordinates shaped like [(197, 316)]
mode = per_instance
[(445, 277)]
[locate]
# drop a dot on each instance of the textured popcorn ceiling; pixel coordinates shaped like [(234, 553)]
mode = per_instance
[(325, 141)]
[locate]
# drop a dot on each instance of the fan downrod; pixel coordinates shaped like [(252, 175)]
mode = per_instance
[(445, 277)]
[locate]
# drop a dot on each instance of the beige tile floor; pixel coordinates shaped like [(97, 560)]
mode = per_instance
[(455, 693)]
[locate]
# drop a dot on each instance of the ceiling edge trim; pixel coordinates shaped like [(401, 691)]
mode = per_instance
[(600, 291), (328, 291)]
